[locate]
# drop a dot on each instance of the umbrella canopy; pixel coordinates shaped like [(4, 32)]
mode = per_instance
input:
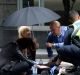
[(30, 16)]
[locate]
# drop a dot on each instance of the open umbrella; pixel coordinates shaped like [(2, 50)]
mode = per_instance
[(30, 16)]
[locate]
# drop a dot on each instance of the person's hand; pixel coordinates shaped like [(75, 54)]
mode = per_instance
[(42, 67), (36, 43), (49, 44)]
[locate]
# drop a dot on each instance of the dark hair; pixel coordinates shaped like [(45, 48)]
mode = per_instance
[(72, 14), (25, 43)]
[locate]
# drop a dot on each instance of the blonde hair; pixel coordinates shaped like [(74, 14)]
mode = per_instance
[(21, 29)]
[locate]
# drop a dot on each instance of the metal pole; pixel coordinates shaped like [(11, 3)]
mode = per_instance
[(39, 3), (28, 3), (19, 4)]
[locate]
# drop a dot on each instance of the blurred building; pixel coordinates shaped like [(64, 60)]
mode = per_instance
[(7, 7)]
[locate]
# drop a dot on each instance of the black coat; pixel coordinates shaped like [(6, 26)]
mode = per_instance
[(12, 52), (67, 37)]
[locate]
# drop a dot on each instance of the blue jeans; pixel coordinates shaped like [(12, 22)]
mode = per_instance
[(50, 52)]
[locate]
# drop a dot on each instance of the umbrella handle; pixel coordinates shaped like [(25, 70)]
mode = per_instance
[(32, 34), (28, 3)]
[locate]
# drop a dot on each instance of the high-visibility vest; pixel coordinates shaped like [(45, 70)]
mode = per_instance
[(76, 31)]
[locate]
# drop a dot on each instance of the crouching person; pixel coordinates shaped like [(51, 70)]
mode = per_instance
[(12, 59)]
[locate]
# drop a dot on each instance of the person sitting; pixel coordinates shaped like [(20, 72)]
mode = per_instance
[(25, 32), (12, 59)]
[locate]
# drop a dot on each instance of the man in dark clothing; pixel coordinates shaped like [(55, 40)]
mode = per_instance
[(71, 51), (13, 61)]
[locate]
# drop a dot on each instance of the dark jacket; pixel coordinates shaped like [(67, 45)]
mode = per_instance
[(67, 37), (12, 52), (70, 52)]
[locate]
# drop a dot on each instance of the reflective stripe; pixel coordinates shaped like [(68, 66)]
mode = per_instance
[(78, 33)]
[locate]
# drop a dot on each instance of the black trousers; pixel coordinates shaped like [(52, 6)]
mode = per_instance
[(16, 69)]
